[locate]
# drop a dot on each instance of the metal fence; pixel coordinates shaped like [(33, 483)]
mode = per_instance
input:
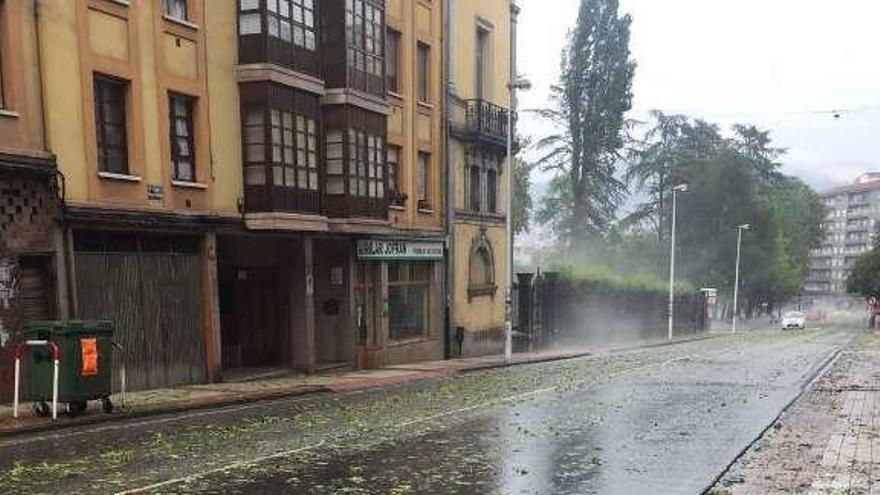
[(535, 310)]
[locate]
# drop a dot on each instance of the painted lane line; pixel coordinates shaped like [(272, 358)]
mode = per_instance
[(174, 417), (286, 453), (400, 426), (223, 469)]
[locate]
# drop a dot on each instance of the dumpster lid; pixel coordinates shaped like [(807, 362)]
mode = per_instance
[(66, 327)]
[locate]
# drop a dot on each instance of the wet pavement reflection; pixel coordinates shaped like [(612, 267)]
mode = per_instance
[(664, 420)]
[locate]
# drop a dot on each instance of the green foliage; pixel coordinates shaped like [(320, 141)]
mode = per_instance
[(598, 276), (593, 94), (864, 278), (616, 262), (732, 181), (522, 196)]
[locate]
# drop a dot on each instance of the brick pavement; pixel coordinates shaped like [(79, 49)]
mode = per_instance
[(828, 442)]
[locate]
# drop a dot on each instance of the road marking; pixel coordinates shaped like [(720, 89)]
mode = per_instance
[(234, 465), (240, 464), (399, 426), (173, 417)]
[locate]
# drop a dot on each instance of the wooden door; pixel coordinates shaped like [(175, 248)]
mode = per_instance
[(37, 292)]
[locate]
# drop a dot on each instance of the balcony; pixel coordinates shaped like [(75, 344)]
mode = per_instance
[(268, 37), (487, 121)]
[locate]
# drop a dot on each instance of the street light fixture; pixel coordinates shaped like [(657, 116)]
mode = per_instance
[(739, 235), (520, 84), (676, 189)]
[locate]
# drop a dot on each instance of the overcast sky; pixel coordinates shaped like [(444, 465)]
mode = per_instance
[(783, 65)]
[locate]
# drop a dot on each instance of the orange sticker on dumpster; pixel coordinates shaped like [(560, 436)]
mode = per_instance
[(89, 347)]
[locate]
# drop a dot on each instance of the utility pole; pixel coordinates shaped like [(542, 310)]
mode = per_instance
[(739, 236), (678, 188)]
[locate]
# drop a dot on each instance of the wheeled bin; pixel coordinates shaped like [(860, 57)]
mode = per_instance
[(85, 368)]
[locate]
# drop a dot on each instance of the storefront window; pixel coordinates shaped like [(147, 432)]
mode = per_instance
[(408, 289)]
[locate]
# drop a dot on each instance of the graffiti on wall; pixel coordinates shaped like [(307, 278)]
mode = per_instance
[(7, 282)]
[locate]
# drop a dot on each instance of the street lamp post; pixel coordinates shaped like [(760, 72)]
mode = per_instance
[(739, 236), (678, 188), (512, 87)]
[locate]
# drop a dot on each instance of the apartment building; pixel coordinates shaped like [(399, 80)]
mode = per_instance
[(30, 251), (151, 173), (482, 33), (341, 260), (256, 184), (852, 216)]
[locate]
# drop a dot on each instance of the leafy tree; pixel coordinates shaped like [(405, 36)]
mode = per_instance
[(733, 181), (652, 165), (522, 196), (590, 100), (754, 143), (864, 278), (798, 214)]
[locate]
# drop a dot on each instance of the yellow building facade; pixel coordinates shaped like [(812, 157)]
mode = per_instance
[(30, 248), (259, 184), (243, 188), (480, 67), (148, 151)]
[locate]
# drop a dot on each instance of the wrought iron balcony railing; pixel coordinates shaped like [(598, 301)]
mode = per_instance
[(487, 119)]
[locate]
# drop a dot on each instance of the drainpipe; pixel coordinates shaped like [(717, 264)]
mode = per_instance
[(71, 302), (450, 179)]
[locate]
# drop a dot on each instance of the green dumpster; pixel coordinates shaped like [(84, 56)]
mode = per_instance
[(85, 371)]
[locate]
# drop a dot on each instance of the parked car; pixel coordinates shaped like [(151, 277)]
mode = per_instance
[(794, 319)]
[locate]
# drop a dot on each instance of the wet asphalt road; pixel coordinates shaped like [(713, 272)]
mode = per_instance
[(659, 420)]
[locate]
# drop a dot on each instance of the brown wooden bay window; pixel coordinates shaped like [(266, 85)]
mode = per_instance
[(110, 124), (365, 44), (366, 165), (355, 172), (180, 116), (292, 21), (284, 32), (280, 149)]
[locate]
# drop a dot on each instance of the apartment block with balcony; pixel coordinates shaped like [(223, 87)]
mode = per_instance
[(853, 212), (340, 262), (482, 34)]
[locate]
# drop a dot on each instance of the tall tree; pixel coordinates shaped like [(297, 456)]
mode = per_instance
[(590, 100), (522, 196), (798, 214), (651, 167), (755, 144)]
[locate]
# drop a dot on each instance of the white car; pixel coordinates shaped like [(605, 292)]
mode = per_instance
[(794, 319)]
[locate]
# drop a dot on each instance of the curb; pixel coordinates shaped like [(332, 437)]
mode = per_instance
[(236, 400), (306, 390), (826, 365)]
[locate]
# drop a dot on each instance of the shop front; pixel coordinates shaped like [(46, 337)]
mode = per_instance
[(399, 301)]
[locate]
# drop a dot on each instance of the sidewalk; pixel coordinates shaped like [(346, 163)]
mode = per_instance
[(828, 442), (185, 398)]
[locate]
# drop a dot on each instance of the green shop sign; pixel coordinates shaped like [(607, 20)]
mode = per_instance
[(368, 249)]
